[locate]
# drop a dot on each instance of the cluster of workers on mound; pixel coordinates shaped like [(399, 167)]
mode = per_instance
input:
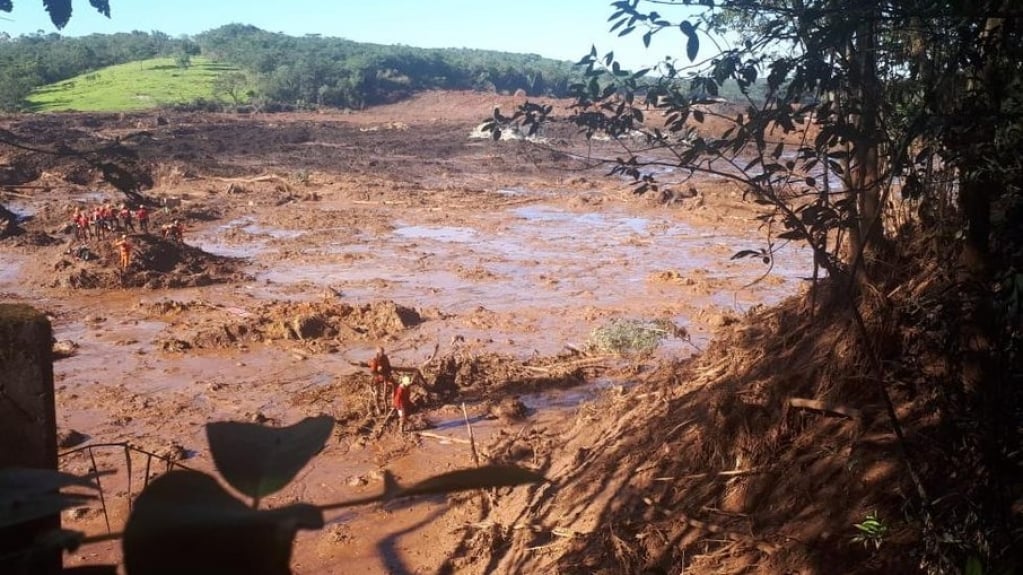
[(105, 221)]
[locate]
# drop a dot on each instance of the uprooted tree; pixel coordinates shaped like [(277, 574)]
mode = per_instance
[(884, 136)]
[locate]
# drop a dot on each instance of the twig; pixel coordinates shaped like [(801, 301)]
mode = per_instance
[(99, 487), (472, 439), (731, 473), (127, 465)]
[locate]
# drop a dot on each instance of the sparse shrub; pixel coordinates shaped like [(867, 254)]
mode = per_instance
[(630, 337), (871, 532)]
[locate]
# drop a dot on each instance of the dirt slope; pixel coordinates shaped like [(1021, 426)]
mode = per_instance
[(762, 454)]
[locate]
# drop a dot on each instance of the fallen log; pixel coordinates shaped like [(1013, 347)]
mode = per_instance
[(825, 407)]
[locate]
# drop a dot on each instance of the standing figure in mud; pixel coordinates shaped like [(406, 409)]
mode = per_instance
[(142, 215), (125, 216), (99, 225), (175, 231), (401, 401), (125, 248), (110, 218), (81, 225), (383, 377)]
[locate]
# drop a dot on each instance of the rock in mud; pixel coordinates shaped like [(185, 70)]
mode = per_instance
[(67, 438), (64, 348), (509, 409)]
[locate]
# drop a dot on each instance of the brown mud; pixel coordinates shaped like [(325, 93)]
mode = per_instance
[(312, 238)]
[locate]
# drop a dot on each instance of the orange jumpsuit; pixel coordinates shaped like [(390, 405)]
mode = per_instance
[(125, 247)]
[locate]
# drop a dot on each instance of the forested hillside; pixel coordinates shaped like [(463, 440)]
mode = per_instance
[(281, 70)]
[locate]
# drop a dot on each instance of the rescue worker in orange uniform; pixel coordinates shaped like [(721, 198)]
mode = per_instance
[(175, 231), (142, 215), (383, 377), (125, 216), (125, 247), (401, 401)]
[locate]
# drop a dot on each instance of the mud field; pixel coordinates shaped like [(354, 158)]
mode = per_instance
[(311, 239)]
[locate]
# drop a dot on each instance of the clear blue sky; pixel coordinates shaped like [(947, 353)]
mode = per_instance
[(562, 29)]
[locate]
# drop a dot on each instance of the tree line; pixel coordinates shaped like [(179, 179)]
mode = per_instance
[(277, 69)]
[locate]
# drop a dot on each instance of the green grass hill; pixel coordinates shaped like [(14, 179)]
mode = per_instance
[(137, 85)]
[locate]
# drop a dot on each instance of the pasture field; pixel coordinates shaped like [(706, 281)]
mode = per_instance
[(139, 85)]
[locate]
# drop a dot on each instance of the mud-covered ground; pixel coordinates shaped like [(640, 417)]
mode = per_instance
[(311, 239)]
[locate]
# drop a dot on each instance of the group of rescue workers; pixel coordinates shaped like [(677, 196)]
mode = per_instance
[(384, 385), (106, 220)]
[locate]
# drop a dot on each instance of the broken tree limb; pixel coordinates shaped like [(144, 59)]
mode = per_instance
[(440, 437), (568, 365), (826, 407)]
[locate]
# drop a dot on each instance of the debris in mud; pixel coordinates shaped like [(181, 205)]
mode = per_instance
[(34, 238), (318, 324), (508, 409), (67, 438), (168, 451), (155, 263), (9, 223), (339, 533), (64, 348), (630, 337)]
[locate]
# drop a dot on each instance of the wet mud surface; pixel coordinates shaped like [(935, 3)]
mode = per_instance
[(310, 240)]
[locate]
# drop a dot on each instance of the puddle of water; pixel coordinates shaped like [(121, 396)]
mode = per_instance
[(90, 198), (544, 257), (242, 238), (438, 233), (591, 221), (11, 269)]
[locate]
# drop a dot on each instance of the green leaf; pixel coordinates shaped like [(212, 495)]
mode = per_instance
[(27, 494), (486, 477), (692, 40), (185, 522), (258, 460), (746, 254), (60, 11), (103, 6), (973, 566)]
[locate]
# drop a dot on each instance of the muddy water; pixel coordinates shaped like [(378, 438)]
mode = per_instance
[(541, 256), (549, 272)]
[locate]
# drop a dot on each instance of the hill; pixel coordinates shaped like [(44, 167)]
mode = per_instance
[(275, 71), (133, 86)]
